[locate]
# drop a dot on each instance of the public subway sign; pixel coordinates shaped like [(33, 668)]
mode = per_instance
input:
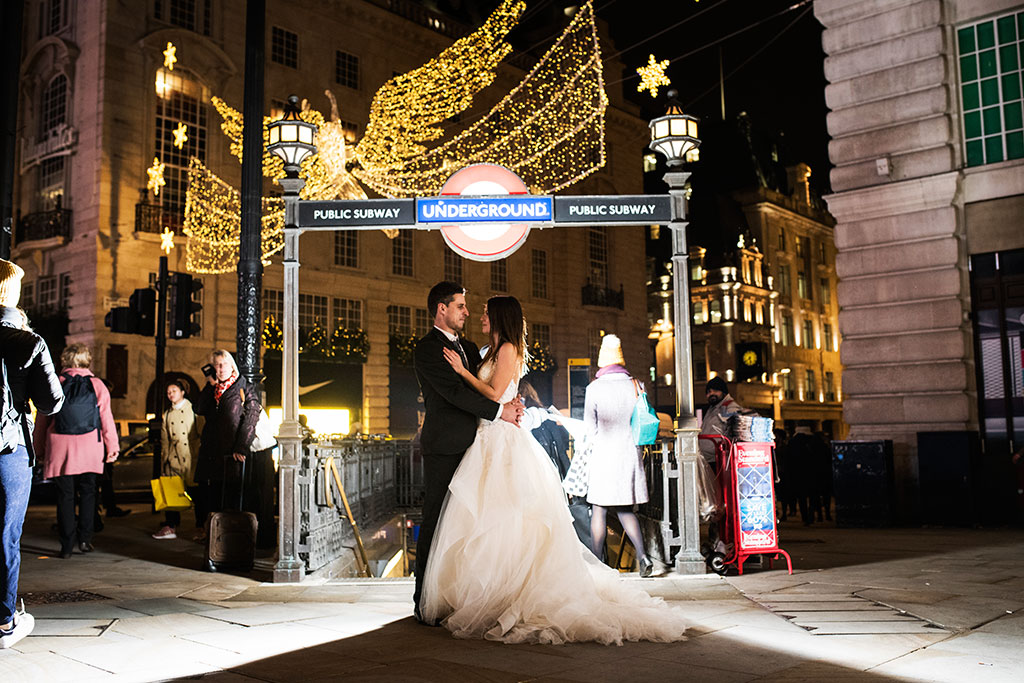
[(357, 212), (485, 212)]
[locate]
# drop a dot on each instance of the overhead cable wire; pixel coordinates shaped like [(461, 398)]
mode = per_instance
[(664, 30)]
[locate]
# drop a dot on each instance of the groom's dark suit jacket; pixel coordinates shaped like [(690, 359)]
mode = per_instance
[(452, 406)]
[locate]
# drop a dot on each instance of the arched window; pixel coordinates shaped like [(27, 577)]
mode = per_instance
[(179, 105), (53, 106)]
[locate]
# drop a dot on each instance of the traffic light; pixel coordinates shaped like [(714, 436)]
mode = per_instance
[(183, 307), (138, 317), (142, 303)]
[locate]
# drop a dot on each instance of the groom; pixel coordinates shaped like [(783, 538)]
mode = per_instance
[(452, 408)]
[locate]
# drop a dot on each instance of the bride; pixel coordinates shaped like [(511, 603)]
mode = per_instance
[(505, 563)]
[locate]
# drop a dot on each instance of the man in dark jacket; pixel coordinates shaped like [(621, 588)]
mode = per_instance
[(27, 374), (452, 409)]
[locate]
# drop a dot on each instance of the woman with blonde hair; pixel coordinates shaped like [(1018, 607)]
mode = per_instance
[(73, 445)]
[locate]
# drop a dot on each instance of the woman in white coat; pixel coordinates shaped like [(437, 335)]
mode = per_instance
[(179, 447), (616, 479)]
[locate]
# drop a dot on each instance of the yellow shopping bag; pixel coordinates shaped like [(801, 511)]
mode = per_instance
[(169, 494)]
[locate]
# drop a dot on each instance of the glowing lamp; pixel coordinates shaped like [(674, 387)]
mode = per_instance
[(290, 137), (674, 135)]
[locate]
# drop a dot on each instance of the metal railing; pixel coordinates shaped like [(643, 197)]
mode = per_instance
[(595, 295), (155, 217), (378, 478), (660, 514), (43, 225)]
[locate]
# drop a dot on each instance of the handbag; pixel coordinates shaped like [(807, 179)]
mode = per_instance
[(264, 436), (644, 423), (169, 493), (577, 479)]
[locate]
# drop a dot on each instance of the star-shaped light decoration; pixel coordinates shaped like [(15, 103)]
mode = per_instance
[(156, 177), (180, 135), (652, 76), (170, 56), (167, 240)]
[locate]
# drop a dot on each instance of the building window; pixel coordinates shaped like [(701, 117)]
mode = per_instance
[(52, 17), (346, 69), (193, 15), (452, 266), (273, 305), (399, 319), (784, 284), (808, 334), (699, 312), (284, 47), (312, 311), (597, 251), (401, 254), (827, 333), (541, 334), (759, 319), (348, 313), (51, 183), (786, 330), (423, 322), (499, 275), (782, 240), (812, 386), (798, 242), (830, 386), (746, 311), (822, 252), (28, 295), (826, 291), (990, 88), (787, 386), (540, 273), (53, 106), (716, 311), (351, 131), (65, 290), (180, 101), (47, 293), (346, 248), (801, 285)]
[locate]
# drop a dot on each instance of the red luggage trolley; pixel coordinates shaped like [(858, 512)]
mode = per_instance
[(746, 480)]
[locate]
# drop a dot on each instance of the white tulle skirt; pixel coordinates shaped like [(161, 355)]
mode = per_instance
[(506, 564)]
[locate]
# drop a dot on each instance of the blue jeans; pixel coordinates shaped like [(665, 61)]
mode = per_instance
[(15, 487)]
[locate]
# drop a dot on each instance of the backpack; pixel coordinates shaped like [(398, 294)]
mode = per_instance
[(81, 412), (8, 413)]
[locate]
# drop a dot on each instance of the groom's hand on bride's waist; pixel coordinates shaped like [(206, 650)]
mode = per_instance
[(512, 411)]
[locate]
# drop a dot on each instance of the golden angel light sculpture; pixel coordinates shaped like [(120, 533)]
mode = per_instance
[(549, 130)]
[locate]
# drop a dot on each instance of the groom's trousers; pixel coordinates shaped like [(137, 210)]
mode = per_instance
[(438, 471)]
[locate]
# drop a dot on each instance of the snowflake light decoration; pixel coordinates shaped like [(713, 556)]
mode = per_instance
[(156, 177), (652, 76)]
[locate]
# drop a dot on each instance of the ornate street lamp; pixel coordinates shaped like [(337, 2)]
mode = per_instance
[(674, 135), (292, 139)]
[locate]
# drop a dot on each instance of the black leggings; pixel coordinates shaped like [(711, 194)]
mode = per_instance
[(630, 524)]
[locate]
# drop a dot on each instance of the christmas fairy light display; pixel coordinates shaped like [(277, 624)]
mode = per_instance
[(652, 76), (156, 177), (170, 56), (549, 129), (180, 135)]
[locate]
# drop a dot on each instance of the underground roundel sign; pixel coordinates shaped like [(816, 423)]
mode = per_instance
[(484, 212)]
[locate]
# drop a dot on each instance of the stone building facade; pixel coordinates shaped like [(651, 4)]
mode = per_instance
[(91, 122), (928, 196)]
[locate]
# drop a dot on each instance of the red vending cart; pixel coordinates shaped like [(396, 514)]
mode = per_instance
[(746, 480)]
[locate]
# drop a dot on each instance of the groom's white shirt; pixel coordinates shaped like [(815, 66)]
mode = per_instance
[(454, 338)]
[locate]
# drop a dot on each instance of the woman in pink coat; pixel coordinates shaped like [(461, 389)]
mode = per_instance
[(73, 444)]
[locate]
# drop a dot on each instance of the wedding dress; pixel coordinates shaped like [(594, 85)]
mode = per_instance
[(506, 563)]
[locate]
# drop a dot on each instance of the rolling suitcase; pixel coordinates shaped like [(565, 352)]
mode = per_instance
[(231, 536)]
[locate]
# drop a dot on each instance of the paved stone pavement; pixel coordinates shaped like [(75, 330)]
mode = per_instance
[(871, 605)]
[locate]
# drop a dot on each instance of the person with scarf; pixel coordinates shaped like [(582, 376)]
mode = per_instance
[(231, 410), (616, 479)]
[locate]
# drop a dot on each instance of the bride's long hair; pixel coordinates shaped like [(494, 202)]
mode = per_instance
[(508, 326)]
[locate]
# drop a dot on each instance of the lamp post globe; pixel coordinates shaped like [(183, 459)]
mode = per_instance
[(674, 135), (291, 138)]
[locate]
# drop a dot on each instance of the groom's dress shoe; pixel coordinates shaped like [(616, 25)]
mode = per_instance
[(419, 617)]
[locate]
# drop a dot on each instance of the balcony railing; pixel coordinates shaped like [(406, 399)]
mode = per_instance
[(155, 217), (43, 225), (594, 295)]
